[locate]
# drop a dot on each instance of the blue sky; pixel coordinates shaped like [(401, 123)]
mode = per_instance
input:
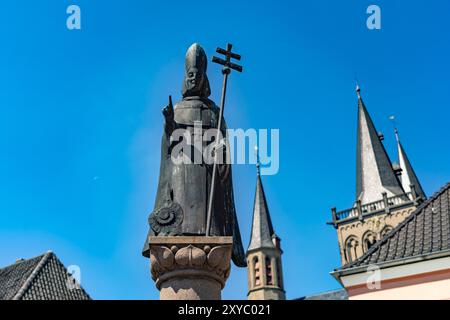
[(80, 121)]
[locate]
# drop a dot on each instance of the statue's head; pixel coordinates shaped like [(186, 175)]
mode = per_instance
[(195, 79)]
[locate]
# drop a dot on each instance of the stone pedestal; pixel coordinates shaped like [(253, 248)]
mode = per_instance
[(189, 267)]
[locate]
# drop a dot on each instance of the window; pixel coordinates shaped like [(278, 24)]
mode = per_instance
[(280, 281), (269, 274), (257, 271), (369, 239), (351, 245), (386, 230)]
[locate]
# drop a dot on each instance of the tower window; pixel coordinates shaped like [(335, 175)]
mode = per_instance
[(269, 273), (280, 281), (351, 246), (369, 239), (257, 272), (386, 230)]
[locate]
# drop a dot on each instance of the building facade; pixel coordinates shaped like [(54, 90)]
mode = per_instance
[(394, 242), (386, 194), (410, 262)]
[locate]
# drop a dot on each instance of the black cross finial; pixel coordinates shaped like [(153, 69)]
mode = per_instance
[(258, 162), (227, 64)]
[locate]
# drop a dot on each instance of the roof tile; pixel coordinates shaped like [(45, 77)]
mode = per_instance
[(426, 230), (40, 278)]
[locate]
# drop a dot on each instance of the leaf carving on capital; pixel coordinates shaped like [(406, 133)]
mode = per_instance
[(219, 257), (204, 261), (190, 256), (162, 256)]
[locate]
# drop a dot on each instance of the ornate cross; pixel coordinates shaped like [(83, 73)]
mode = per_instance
[(226, 70), (227, 62)]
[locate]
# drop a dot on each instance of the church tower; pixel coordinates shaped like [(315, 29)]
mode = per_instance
[(408, 178), (385, 195), (265, 276)]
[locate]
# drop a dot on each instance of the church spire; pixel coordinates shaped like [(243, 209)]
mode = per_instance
[(265, 272), (262, 229), (408, 177), (374, 172)]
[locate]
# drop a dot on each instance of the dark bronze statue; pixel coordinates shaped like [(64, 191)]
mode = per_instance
[(183, 189)]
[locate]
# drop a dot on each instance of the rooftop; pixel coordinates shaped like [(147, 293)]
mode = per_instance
[(339, 294), (40, 278), (424, 233)]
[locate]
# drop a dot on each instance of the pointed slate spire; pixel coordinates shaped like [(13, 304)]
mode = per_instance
[(374, 172), (262, 229), (408, 177)]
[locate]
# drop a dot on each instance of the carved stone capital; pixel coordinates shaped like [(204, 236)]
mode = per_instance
[(190, 264)]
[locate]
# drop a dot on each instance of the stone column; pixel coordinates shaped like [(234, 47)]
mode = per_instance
[(190, 267)]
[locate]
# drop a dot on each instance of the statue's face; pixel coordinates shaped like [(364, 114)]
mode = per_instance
[(194, 80)]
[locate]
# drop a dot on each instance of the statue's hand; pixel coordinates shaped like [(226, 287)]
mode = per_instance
[(168, 111)]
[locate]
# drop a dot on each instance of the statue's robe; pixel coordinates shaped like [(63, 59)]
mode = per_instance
[(188, 185)]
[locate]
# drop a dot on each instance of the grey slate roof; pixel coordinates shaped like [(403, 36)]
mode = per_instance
[(374, 172), (408, 176), (40, 278), (340, 294), (425, 231), (262, 229)]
